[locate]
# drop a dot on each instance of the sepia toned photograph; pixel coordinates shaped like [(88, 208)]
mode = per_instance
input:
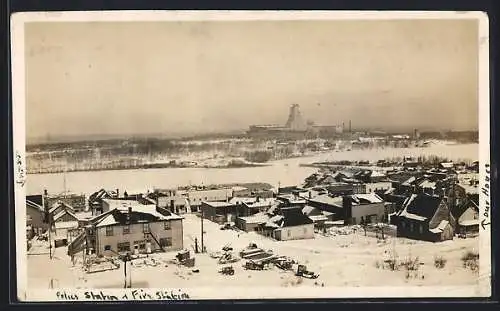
[(251, 155)]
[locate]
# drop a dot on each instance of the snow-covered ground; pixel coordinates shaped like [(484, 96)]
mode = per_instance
[(343, 260)]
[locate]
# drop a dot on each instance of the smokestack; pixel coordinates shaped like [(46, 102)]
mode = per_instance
[(117, 192), (172, 206), (350, 126)]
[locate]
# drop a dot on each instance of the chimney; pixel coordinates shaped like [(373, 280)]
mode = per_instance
[(172, 206), (310, 195), (117, 192), (257, 199)]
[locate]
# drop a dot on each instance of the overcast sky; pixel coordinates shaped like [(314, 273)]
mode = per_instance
[(169, 77)]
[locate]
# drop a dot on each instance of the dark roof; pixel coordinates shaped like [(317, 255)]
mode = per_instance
[(423, 205), (475, 198), (294, 217), (288, 189), (395, 198), (400, 177), (34, 205), (37, 199), (457, 211), (62, 205), (363, 173), (99, 195), (134, 216)]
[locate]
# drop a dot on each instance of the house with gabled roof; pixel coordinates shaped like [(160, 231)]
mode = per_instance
[(253, 222), (130, 227), (319, 217), (425, 185), (63, 221), (219, 212), (425, 217), (289, 224), (172, 199), (257, 205), (35, 215), (327, 203), (467, 216), (77, 201), (364, 208), (59, 206), (95, 200)]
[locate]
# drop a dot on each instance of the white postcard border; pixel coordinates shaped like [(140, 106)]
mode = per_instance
[(19, 142)]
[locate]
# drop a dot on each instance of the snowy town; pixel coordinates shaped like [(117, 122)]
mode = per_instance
[(247, 155), (412, 218)]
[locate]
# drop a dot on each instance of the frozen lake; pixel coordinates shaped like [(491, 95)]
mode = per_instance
[(286, 172)]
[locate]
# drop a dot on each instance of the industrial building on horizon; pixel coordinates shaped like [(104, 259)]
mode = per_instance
[(296, 126)]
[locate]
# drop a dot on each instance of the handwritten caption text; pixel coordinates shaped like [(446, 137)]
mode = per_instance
[(136, 294), (485, 190)]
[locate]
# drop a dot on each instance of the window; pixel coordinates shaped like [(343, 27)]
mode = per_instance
[(109, 231), (411, 226), (289, 233), (107, 247), (305, 230), (126, 229), (167, 225), (123, 247), (166, 242), (140, 244), (145, 228), (421, 228)]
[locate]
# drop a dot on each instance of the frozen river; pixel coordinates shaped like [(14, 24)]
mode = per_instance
[(285, 172)]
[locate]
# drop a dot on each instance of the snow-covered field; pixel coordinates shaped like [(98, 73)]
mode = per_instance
[(343, 260)]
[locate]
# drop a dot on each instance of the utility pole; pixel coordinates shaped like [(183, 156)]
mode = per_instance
[(50, 237), (64, 183), (125, 258), (125, 271), (202, 232)]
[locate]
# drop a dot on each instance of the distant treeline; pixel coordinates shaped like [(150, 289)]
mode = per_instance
[(258, 156), (153, 143), (145, 144), (460, 136), (131, 147)]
